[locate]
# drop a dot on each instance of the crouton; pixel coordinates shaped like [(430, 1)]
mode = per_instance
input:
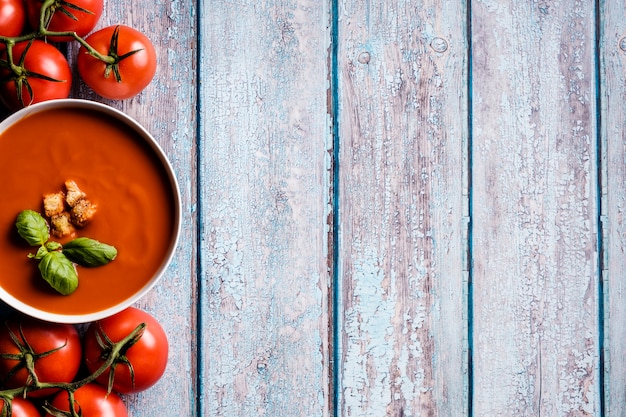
[(74, 193), (54, 203), (61, 226), (82, 212)]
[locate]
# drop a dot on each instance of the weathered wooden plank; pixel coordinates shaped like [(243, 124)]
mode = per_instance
[(167, 109), (264, 205), (534, 212), (613, 132), (402, 205)]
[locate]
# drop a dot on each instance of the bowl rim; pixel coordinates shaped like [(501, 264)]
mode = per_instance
[(145, 135)]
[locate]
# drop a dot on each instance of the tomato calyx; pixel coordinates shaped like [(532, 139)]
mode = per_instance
[(107, 347), (26, 357), (19, 74), (115, 353), (114, 66), (62, 6), (56, 412)]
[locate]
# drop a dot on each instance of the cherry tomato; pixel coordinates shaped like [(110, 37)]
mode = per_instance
[(40, 59), (79, 16), (133, 62), (91, 400), (148, 356), (12, 18), (56, 349), (21, 407)]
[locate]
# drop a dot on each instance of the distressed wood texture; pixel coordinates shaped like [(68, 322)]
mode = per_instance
[(167, 109), (535, 277), (402, 77), (436, 186), (265, 149), (613, 134)]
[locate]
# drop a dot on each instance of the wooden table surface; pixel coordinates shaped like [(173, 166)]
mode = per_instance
[(391, 208)]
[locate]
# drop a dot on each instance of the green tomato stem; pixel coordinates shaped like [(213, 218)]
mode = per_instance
[(116, 351), (42, 32), (45, 7)]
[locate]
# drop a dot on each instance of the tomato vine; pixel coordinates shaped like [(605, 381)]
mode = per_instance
[(28, 358), (102, 73), (43, 32)]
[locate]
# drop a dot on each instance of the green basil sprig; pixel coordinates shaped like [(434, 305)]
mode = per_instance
[(57, 263)]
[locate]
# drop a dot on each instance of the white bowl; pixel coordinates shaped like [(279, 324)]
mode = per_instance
[(57, 314)]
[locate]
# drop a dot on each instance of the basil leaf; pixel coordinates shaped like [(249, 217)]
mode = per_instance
[(32, 227), (89, 252), (59, 272)]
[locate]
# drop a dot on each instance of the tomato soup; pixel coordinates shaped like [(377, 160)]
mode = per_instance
[(120, 173)]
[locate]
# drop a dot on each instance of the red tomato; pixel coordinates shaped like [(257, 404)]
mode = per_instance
[(21, 408), (56, 349), (79, 16), (40, 59), (148, 356), (92, 401), (12, 18), (133, 62)]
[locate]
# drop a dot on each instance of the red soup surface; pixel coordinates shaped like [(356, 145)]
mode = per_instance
[(118, 171)]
